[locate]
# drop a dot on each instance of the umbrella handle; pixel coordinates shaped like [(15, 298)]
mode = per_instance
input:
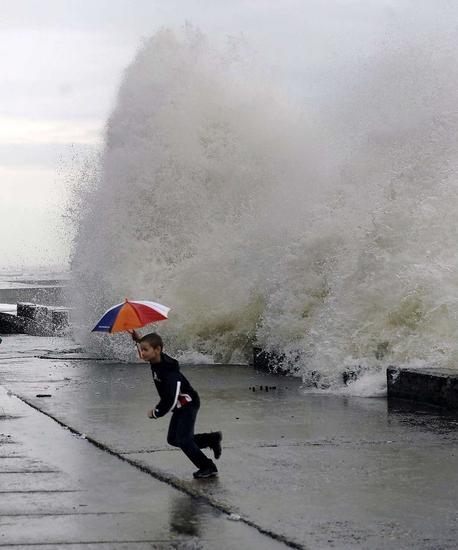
[(138, 350), (136, 343)]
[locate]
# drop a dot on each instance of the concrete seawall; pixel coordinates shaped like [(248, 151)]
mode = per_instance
[(35, 319), (433, 386)]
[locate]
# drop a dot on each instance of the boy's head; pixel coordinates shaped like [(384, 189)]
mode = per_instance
[(151, 347)]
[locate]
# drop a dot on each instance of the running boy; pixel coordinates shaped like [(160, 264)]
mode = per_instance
[(177, 395)]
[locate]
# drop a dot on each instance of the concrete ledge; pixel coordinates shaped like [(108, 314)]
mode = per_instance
[(27, 310), (433, 386), (36, 320), (59, 319), (10, 324)]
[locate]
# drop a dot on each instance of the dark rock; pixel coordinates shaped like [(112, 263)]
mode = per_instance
[(269, 361), (314, 379), (351, 375)]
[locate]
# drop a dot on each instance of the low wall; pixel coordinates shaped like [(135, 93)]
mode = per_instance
[(433, 386), (36, 320), (10, 324)]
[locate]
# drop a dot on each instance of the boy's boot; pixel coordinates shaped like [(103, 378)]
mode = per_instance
[(209, 471), (216, 447)]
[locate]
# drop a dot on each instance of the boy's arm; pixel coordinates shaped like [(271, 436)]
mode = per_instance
[(169, 400)]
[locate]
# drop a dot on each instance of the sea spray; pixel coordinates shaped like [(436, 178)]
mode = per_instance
[(326, 234), (191, 206)]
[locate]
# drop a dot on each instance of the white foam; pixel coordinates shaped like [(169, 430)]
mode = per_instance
[(325, 233), (194, 358), (369, 385)]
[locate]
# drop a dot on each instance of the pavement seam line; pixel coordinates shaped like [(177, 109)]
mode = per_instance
[(58, 544), (165, 479), (58, 514), (26, 492), (30, 472), (13, 456)]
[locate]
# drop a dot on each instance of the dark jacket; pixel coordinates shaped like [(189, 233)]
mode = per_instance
[(174, 389)]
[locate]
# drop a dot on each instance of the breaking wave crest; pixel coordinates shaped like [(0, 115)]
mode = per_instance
[(326, 234)]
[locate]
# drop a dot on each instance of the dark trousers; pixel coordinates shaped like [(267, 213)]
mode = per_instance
[(181, 434)]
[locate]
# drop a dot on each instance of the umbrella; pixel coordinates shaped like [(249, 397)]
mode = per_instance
[(130, 315)]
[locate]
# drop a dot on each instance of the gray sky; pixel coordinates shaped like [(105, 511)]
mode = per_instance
[(61, 62)]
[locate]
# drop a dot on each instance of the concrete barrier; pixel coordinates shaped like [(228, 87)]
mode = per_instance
[(59, 320), (10, 324), (26, 309), (39, 318), (36, 320), (435, 386)]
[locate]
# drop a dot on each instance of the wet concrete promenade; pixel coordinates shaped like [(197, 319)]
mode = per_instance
[(86, 468)]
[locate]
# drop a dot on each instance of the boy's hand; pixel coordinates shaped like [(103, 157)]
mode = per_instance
[(135, 336), (151, 413)]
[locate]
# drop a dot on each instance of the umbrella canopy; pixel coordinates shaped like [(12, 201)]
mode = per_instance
[(130, 315)]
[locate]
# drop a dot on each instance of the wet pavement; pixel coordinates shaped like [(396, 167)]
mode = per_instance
[(302, 470)]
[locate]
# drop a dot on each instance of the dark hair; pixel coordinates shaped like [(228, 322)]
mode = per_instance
[(153, 339)]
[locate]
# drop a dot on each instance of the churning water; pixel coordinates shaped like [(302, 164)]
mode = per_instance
[(326, 233)]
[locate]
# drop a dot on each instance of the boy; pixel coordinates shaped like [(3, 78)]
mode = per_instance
[(177, 395)]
